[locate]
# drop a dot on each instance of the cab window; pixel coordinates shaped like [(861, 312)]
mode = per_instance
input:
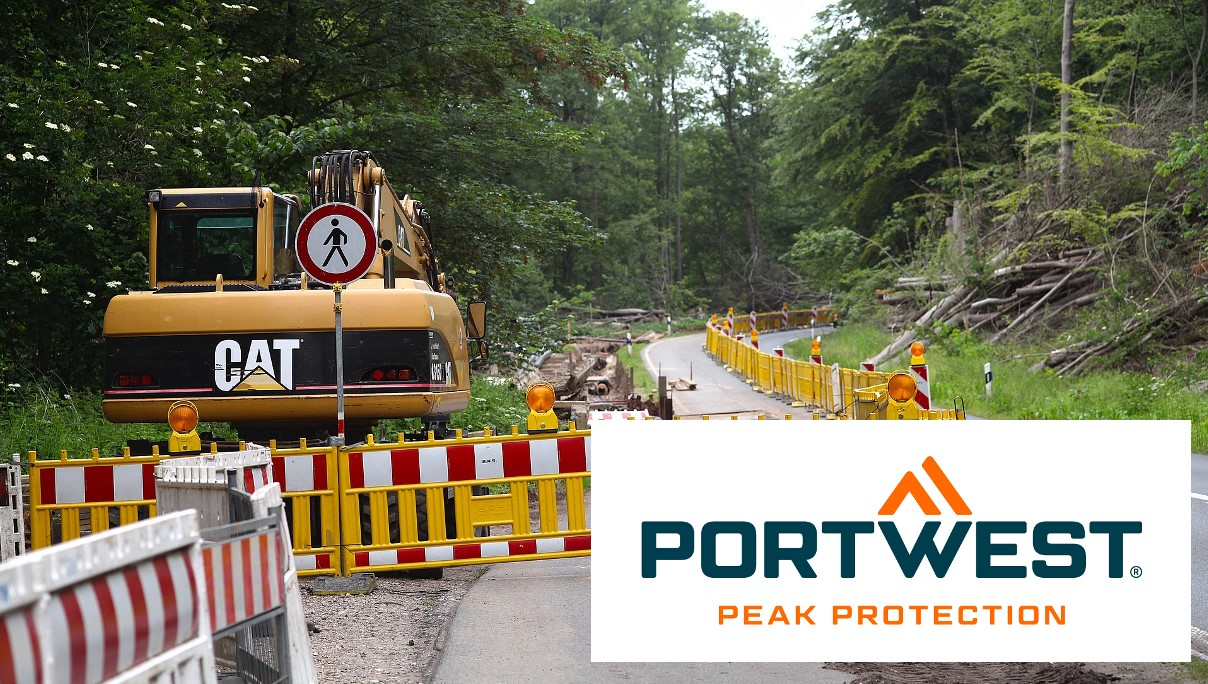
[(286, 218), (200, 245)]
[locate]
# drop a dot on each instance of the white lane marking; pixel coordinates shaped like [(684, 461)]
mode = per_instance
[(1201, 497)]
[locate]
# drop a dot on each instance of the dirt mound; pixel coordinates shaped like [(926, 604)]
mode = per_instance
[(970, 673)]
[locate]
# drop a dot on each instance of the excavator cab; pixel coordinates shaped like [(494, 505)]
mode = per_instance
[(241, 236)]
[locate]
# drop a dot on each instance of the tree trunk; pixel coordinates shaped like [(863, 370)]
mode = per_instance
[(679, 184), (1195, 62), (1067, 146)]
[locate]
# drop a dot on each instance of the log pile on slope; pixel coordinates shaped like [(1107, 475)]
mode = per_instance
[(1012, 299)]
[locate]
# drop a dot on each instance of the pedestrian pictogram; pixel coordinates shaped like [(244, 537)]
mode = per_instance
[(336, 243), (336, 238)]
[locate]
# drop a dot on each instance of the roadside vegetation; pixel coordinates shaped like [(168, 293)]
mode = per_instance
[(643, 382), (45, 417), (1169, 391)]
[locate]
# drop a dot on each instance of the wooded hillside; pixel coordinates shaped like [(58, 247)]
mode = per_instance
[(645, 153)]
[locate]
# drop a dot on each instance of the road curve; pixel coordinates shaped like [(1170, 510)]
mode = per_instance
[(717, 392), (531, 622)]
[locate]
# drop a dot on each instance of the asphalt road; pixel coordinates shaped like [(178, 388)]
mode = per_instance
[(531, 622), (717, 392), (1199, 553)]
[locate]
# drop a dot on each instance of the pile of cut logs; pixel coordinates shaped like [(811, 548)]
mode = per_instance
[(1016, 297), (1013, 299)]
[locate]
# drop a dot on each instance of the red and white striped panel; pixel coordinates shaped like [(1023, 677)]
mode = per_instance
[(244, 577), (312, 562), (112, 623), (97, 483), (20, 648), (753, 319), (434, 465), (868, 366), (617, 415), (301, 473), (922, 395), (500, 549), (255, 477)]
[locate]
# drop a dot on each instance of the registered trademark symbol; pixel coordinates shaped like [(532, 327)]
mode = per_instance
[(1136, 571)]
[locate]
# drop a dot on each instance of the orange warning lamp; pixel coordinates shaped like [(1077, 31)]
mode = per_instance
[(916, 354), (902, 387), (182, 418), (540, 399), (816, 348)]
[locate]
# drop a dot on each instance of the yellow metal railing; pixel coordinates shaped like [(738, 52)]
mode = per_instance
[(835, 390)]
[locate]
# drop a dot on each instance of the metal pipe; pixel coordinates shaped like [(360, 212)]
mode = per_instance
[(388, 252)]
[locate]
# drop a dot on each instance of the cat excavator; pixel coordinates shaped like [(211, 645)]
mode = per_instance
[(231, 324)]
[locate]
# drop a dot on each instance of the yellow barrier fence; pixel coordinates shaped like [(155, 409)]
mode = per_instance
[(424, 504), (309, 479), (70, 498), (804, 383), (385, 506)]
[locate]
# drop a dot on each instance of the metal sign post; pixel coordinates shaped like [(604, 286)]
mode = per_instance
[(338, 288), (336, 244)]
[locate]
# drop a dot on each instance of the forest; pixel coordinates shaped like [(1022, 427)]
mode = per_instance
[(580, 154)]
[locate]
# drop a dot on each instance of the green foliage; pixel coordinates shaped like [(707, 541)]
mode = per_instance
[(47, 416), (849, 346), (100, 102), (1186, 165), (829, 256), (956, 360), (643, 383)]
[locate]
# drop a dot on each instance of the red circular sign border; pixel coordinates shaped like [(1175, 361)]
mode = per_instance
[(358, 217)]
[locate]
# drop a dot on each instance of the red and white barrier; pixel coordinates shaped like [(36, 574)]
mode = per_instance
[(784, 316), (868, 366), (245, 576), (489, 460), (754, 318), (500, 549), (305, 473), (126, 605), (253, 463), (20, 643), (922, 395), (265, 502), (87, 483), (918, 371)]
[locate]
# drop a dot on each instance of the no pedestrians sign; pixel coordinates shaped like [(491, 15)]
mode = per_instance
[(336, 243)]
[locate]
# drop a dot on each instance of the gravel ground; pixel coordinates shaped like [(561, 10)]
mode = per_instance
[(390, 635)]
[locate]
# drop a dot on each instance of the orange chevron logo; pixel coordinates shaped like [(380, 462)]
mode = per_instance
[(909, 484)]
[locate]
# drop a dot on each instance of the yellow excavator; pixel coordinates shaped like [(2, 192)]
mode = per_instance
[(232, 324)]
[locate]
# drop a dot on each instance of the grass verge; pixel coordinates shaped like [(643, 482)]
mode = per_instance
[(956, 363), (643, 382), (43, 417), (1196, 670), (48, 418)]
